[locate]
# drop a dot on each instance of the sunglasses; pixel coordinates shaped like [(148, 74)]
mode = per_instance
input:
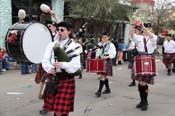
[(60, 30)]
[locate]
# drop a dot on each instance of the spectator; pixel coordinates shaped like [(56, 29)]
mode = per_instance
[(120, 51), (1, 57)]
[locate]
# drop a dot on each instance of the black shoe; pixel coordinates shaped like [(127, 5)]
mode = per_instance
[(144, 107), (139, 105), (80, 77), (107, 91), (119, 63), (43, 111), (98, 94), (173, 70), (132, 84), (169, 73)]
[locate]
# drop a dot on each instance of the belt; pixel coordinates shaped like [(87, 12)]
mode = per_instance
[(63, 75)]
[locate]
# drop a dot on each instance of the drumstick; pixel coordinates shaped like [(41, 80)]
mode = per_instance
[(45, 8), (21, 14)]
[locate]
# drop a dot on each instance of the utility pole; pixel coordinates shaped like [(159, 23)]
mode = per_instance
[(30, 9)]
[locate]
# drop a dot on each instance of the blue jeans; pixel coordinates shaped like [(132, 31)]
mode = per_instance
[(24, 68), (34, 68), (6, 64)]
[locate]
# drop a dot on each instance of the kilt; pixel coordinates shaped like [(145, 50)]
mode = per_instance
[(147, 79), (108, 68), (168, 58), (41, 75), (63, 101)]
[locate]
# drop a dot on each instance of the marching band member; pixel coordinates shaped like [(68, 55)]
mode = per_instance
[(169, 52), (133, 53), (52, 26), (146, 44), (107, 52), (62, 101)]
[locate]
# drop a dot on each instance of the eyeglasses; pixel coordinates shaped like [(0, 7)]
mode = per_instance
[(60, 30)]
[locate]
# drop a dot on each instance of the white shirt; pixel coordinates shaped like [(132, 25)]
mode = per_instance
[(70, 67), (109, 49), (169, 47), (132, 45), (150, 43)]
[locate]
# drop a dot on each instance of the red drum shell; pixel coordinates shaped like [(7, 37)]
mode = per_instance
[(145, 65), (95, 65)]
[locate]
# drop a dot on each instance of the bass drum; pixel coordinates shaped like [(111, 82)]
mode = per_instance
[(27, 42)]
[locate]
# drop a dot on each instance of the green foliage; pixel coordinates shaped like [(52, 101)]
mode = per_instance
[(160, 41), (104, 10)]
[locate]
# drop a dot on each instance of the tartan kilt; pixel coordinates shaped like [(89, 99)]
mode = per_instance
[(63, 101), (147, 79), (168, 58), (108, 68)]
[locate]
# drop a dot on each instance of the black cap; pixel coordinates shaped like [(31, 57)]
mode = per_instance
[(147, 25), (170, 35), (51, 22), (65, 25), (105, 33)]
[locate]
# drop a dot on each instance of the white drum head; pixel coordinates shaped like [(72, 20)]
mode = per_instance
[(35, 40)]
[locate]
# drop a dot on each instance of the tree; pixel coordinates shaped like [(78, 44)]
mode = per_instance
[(162, 13), (103, 10)]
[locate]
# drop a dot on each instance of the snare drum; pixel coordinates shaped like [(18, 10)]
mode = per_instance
[(29, 43), (145, 65), (95, 65)]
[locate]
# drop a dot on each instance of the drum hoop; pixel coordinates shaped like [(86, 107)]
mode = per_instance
[(21, 36)]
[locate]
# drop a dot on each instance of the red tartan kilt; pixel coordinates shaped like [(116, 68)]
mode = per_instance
[(63, 101), (108, 68), (49, 102), (168, 58)]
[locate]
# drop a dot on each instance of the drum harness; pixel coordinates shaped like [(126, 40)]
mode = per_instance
[(104, 49), (145, 47)]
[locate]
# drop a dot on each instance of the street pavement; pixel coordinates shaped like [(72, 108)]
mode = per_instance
[(18, 95)]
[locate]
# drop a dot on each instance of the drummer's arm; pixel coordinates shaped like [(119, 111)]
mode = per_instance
[(151, 35), (52, 13)]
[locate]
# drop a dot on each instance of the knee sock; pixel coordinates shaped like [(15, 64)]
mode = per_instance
[(102, 82), (143, 90), (107, 84)]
